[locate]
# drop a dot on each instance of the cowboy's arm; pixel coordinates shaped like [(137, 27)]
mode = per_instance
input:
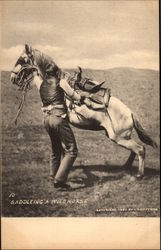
[(69, 91)]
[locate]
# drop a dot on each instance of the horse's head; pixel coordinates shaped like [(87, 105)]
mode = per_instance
[(22, 73)]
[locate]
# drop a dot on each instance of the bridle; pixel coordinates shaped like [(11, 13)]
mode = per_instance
[(25, 76)]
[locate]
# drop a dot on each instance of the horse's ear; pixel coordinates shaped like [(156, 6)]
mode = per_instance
[(27, 48)]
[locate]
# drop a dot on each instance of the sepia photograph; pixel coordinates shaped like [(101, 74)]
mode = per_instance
[(80, 118)]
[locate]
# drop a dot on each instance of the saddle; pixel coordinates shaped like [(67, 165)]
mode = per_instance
[(87, 84), (98, 96)]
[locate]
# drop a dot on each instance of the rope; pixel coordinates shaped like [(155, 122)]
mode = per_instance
[(26, 86), (21, 104)]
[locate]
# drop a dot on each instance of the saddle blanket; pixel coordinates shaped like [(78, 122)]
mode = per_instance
[(98, 100)]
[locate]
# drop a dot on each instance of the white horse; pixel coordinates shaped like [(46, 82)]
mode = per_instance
[(118, 120)]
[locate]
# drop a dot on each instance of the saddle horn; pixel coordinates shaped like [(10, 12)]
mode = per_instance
[(80, 69), (79, 74)]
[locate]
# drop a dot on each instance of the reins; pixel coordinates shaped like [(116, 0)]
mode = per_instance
[(24, 87), (20, 106)]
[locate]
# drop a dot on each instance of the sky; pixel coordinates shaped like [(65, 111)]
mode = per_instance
[(91, 34)]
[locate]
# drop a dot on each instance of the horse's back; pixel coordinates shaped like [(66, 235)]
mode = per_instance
[(119, 107)]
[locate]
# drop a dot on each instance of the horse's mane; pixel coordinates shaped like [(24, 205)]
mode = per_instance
[(41, 55), (46, 63), (38, 54)]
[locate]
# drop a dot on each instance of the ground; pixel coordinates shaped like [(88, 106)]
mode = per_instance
[(101, 186)]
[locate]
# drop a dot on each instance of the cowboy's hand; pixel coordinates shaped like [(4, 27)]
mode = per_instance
[(82, 99), (66, 76)]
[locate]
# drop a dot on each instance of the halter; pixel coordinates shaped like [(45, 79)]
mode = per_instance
[(25, 76)]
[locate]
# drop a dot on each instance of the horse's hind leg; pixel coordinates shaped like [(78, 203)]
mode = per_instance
[(130, 160), (138, 150)]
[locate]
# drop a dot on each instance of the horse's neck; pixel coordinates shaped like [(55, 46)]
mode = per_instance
[(38, 60), (37, 57)]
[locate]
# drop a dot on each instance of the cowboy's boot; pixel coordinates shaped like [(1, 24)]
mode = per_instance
[(64, 168)]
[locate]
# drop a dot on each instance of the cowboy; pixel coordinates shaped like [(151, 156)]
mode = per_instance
[(64, 148)]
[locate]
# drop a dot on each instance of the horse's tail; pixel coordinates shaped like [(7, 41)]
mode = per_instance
[(144, 137)]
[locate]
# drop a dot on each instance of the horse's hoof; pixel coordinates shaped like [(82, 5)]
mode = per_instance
[(139, 177)]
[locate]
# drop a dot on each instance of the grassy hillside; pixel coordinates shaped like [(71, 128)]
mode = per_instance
[(98, 171), (138, 88)]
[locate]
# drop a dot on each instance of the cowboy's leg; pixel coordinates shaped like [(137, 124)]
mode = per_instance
[(70, 150), (55, 157)]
